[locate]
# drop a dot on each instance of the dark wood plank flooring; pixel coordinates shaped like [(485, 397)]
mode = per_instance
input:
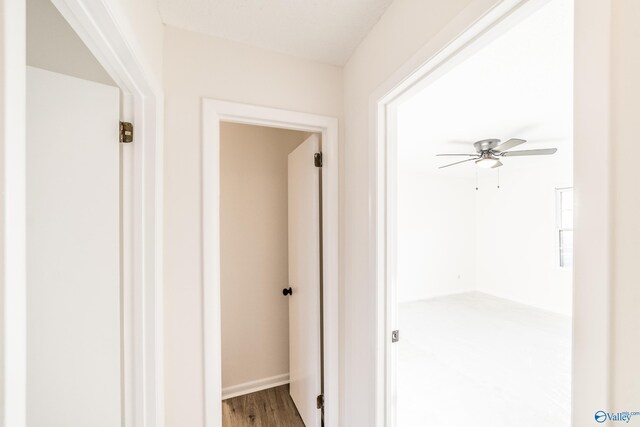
[(267, 408)]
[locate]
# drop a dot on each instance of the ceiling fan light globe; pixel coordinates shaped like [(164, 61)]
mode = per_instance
[(488, 162)]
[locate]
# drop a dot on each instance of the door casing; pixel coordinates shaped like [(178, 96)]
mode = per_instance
[(101, 30), (592, 171), (214, 112)]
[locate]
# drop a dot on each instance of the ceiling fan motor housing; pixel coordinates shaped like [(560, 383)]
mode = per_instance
[(486, 144)]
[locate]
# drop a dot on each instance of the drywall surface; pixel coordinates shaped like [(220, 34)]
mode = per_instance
[(436, 248), (592, 296), (13, 218), (501, 241), (626, 203), (3, 286), (198, 66), (407, 27), (142, 27), (254, 251), (323, 31), (517, 254), (12, 205), (53, 45)]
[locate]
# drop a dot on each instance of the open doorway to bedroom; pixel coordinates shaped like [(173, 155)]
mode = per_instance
[(483, 233)]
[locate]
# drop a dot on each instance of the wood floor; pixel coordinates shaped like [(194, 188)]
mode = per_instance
[(266, 408)]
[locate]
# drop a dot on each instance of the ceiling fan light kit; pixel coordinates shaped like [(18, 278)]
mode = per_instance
[(488, 162), (489, 151)]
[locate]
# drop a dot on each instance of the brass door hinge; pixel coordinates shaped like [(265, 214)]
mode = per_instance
[(320, 401), (126, 132)]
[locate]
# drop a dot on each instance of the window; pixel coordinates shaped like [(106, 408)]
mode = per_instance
[(564, 219)]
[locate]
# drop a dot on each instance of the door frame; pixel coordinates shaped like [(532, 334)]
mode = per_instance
[(141, 289), (13, 318), (214, 112), (592, 171)]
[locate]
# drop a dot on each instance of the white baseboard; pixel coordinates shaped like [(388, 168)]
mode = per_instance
[(253, 386)]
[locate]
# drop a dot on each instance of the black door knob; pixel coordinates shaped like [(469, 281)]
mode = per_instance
[(287, 291)]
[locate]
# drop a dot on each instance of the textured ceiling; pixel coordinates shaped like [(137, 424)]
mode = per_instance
[(323, 30)]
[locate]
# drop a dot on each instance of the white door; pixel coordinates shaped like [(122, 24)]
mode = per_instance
[(73, 272), (304, 278)]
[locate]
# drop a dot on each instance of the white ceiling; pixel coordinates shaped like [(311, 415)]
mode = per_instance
[(322, 30), (520, 85)]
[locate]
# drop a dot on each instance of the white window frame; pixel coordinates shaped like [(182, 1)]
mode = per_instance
[(560, 228)]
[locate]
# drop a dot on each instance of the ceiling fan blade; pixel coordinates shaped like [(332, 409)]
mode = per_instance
[(497, 165), (540, 152), (457, 154), (457, 163), (508, 145)]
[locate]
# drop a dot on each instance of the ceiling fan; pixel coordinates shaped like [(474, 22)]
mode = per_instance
[(489, 151)]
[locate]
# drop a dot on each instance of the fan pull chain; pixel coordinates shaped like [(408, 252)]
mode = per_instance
[(498, 178), (476, 178)]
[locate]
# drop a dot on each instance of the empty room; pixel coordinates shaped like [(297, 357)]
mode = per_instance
[(484, 233)]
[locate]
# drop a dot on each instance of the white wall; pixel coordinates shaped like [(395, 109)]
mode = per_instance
[(452, 238), (593, 143), (12, 214), (198, 66), (436, 233), (53, 45), (503, 242), (517, 241), (254, 251), (143, 29), (625, 202)]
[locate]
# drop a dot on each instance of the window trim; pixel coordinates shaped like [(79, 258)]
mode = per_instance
[(560, 262)]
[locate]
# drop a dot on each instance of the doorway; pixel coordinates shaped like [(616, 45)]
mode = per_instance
[(73, 229), (454, 235), (91, 223), (270, 301), (217, 115), (484, 255)]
